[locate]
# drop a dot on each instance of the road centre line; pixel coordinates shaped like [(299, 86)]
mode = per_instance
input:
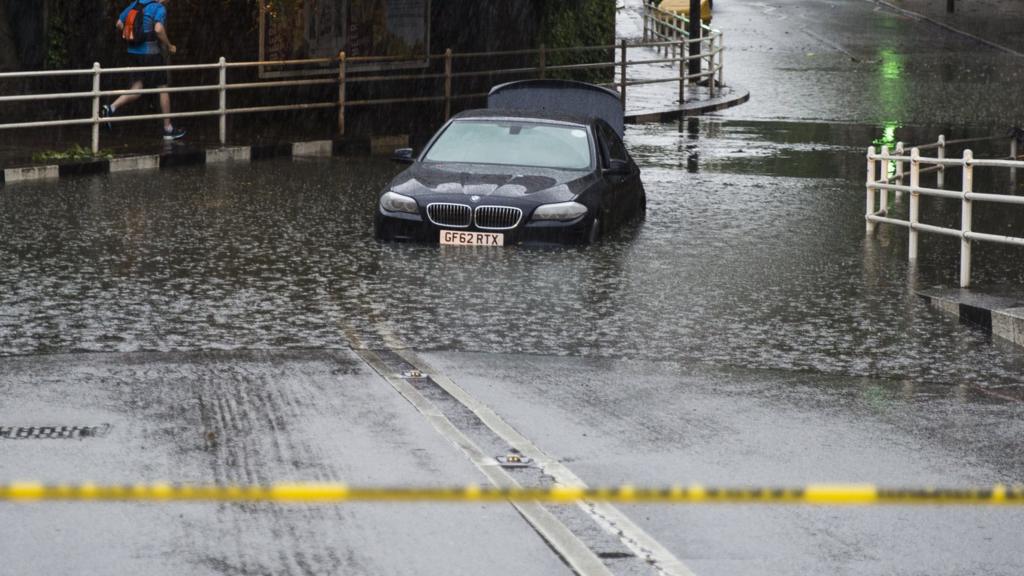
[(606, 515), (580, 558)]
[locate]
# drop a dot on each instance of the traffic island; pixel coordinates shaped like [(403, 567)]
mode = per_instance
[(700, 102), (999, 314)]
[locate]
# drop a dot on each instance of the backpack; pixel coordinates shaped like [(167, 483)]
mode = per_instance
[(134, 24)]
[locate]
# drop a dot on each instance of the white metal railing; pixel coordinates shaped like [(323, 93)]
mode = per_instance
[(440, 69), (887, 171), (665, 25)]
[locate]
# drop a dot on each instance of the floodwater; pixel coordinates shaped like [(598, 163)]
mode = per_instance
[(753, 255), (814, 60)]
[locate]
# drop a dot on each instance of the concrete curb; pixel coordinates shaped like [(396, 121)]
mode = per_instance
[(382, 145), (29, 173), (1001, 316), (736, 96)]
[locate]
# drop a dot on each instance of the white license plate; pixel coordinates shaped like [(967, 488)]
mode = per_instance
[(456, 238)]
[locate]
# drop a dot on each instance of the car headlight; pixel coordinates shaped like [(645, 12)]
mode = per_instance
[(559, 211), (393, 202)]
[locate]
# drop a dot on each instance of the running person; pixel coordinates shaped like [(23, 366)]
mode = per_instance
[(148, 53)]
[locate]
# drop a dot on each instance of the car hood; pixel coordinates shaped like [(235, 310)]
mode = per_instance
[(542, 185)]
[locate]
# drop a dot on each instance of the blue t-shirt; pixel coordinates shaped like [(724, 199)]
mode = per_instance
[(152, 12)]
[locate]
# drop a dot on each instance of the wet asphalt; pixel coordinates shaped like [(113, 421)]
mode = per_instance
[(748, 337), (746, 332), (858, 61)]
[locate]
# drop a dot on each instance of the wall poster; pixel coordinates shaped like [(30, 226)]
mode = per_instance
[(303, 29)]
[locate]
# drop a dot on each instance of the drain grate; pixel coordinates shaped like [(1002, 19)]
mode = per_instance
[(52, 432)]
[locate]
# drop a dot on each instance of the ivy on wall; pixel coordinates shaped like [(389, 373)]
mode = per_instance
[(571, 23), (57, 43)]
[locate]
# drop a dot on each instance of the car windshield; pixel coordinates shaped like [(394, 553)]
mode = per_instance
[(513, 143)]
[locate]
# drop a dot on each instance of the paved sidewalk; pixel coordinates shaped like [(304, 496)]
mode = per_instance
[(661, 102)]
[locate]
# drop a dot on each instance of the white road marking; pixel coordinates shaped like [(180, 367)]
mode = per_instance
[(606, 515), (575, 552)]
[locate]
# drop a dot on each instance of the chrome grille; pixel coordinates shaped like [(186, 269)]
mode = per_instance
[(497, 217), (451, 215)]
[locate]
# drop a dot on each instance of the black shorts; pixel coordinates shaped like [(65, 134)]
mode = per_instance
[(149, 78)]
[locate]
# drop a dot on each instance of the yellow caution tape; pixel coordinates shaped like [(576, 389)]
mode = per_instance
[(823, 494)]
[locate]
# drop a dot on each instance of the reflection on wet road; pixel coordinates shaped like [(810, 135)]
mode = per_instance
[(752, 255)]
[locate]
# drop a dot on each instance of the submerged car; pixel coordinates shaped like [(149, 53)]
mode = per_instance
[(544, 163)]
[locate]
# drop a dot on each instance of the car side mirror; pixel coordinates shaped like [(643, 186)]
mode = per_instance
[(403, 156), (617, 168)]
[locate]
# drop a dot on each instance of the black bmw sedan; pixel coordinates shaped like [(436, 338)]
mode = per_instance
[(499, 176)]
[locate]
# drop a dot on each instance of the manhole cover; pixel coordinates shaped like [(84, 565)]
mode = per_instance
[(52, 432)]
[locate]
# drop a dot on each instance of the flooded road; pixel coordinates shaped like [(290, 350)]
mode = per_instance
[(752, 255), (238, 324), (859, 61), (746, 332)]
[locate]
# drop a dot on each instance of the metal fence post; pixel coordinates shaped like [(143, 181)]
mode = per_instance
[(870, 209), (721, 54), (542, 61), (622, 72), (899, 167), (341, 93), (883, 201), (647, 14), (662, 35), (940, 175), (656, 33), (447, 84), (711, 65), (682, 75), (1013, 156), (95, 107), (673, 48), (222, 81), (915, 201), (965, 220)]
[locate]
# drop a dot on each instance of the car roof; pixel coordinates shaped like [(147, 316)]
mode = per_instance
[(484, 113)]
